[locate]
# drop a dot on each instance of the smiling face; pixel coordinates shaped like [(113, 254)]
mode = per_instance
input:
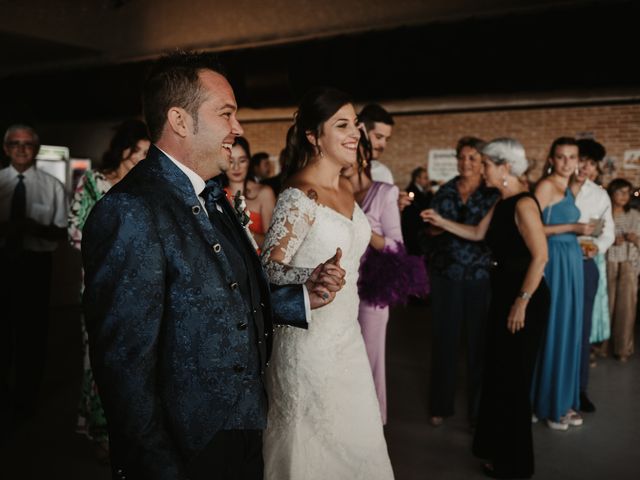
[(469, 163), (565, 160), (217, 127), (493, 174), (239, 165), (21, 147), (379, 136), (587, 169), (339, 137)]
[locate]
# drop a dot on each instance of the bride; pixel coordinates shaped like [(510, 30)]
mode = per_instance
[(324, 420)]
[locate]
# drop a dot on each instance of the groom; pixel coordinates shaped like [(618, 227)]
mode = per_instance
[(178, 310)]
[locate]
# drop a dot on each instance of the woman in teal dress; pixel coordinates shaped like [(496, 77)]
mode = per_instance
[(128, 146), (556, 384)]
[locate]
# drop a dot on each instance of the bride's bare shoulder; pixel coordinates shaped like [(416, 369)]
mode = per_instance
[(300, 182)]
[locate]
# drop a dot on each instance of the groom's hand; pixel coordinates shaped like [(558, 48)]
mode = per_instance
[(325, 280)]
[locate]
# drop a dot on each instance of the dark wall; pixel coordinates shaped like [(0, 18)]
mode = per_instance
[(589, 46)]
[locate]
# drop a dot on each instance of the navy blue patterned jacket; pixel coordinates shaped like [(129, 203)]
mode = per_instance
[(162, 310)]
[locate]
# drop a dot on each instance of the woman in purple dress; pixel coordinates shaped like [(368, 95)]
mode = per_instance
[(386, 253)]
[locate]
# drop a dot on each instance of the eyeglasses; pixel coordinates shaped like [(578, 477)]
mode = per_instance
[(14, 144)]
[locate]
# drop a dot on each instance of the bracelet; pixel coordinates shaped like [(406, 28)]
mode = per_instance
[(524, 295)]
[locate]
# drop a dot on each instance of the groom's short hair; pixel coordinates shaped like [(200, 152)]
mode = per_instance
[(173, 81)]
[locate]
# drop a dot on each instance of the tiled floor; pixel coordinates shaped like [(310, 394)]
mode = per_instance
[(606, 447)]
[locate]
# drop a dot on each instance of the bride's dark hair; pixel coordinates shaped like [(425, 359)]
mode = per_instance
[(317, 106)]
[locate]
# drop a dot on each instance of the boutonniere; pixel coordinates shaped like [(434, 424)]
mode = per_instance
[(240, 207)]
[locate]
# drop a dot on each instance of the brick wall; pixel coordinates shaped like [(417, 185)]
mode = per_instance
[(617, 127)]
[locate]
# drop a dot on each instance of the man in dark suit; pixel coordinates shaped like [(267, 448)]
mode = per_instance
[(178, 310)]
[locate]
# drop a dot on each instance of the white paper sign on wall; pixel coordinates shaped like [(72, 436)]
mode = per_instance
[(631, 160), (442, 164)]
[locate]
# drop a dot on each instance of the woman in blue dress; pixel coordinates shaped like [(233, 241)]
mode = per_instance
[(556, 384)]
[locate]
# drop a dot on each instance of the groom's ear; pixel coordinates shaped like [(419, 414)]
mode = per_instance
[(179, 121)]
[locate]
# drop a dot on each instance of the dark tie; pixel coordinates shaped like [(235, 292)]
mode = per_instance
[(17, 215), (216, 202)]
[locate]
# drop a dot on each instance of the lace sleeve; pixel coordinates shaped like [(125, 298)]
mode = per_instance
[(292, 219)]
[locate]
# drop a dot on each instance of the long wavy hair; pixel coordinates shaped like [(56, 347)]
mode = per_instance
[(316, 107), (127, 136)]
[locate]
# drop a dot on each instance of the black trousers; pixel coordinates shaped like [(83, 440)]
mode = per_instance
[(591, 279), (25, 287), (230, 455), (456, 305)]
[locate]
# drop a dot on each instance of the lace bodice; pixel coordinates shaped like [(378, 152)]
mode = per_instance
[(304, 233)]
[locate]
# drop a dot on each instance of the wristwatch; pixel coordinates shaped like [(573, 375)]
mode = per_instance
[(524, 295)]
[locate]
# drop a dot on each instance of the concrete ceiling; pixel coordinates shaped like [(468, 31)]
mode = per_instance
[(38, 35)]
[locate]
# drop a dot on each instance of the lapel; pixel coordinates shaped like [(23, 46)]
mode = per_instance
[(255, 260), (161, 167)]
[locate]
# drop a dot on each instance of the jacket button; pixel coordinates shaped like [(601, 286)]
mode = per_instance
[(195, 209), (233, 286), (217, 248), (242, 326), (238, 368), (217, 311)]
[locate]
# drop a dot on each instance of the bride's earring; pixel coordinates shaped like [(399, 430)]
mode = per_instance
[(505, 184)]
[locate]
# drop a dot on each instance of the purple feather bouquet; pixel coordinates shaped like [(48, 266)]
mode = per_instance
[(390, 276)]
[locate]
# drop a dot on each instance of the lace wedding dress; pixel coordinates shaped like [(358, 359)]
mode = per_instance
[(324, 420)]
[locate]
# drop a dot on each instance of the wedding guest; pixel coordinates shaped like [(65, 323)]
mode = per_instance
[(260, 199), (128, 146), (594, 205), (276, 181), (517, 313), (460, 290), (378, 124), (623, 266), (412, 225), (33, 214), (259, 166), (387, 274), (592, 154), (556, 386), (324, 418)]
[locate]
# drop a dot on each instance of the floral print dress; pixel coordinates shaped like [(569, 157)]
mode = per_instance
[(91, 421)]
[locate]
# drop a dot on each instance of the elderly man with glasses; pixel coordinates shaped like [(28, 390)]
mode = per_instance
[(33, 218)]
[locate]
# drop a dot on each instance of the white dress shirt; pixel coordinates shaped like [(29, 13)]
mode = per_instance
[(594, 203), (380, 172), (198, 186), (46, 203)]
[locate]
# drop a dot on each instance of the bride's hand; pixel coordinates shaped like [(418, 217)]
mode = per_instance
[(325, 280)]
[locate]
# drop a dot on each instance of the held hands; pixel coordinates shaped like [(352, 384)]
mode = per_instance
[(515, 321), (325, 281)]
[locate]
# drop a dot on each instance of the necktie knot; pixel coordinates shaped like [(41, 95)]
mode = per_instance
[(213, 192)]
